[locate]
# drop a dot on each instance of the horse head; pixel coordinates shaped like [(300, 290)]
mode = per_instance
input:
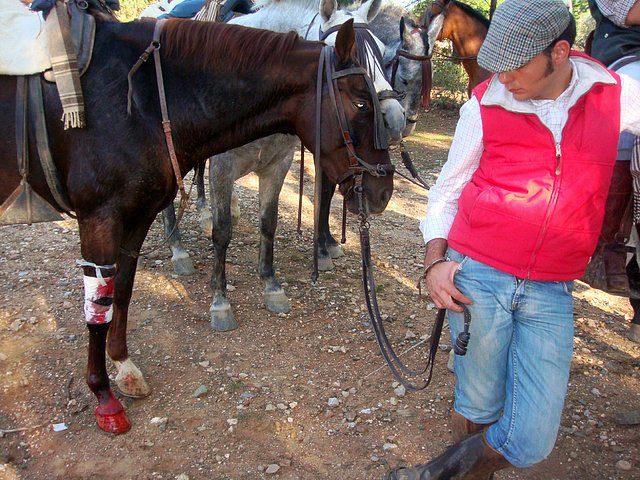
[(433, 20), (392, 111), (344, 136)]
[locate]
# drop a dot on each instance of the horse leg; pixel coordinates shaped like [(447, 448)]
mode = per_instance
[(99, 241), (328, 247), (220, 190), (129, 378), (182, 264), (235, 208), (633, 271), (270, 185), (204, 212), (634, 328)]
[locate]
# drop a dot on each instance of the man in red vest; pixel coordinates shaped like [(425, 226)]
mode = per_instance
[(511, 222)]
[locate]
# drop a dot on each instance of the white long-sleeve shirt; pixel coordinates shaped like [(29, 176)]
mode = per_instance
[(467, 146)]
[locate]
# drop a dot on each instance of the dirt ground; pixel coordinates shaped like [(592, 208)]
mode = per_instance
[(272, 383)]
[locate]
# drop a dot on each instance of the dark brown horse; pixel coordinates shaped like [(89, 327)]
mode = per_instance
[(225, 86), (465, 27)]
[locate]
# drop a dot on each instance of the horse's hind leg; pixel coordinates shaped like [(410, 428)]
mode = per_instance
[(328, 247), (204, 210), (182, 264), (270, 185)]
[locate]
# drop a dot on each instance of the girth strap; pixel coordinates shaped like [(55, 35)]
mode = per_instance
[(36, 115)]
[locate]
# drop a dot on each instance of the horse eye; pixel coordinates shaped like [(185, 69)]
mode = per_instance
[(361, 106)]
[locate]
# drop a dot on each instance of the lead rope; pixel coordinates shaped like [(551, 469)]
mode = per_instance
[(399, 370)]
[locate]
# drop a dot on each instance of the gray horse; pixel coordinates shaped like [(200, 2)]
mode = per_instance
[(270, 158)]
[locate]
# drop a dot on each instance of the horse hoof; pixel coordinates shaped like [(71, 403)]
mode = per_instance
[(325, 264), (276, 301), (130, 380), (111, 418), (335, 251), (222, 318), (182, 265), (117, 423)]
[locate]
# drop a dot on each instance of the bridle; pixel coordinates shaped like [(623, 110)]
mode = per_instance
[(426, 67), (327, 75), (365, 42)]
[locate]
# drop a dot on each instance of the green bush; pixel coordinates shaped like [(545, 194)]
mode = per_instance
[(130, 9)]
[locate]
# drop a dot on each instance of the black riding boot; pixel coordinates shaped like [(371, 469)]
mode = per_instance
[(607, 268), (471, 459)]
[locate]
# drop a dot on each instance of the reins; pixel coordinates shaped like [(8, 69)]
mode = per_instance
[(402, 373), (154, 47)]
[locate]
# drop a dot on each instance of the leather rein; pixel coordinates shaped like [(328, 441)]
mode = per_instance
[(154, 48)]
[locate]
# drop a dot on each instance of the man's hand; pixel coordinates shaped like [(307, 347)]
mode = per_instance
[(439, 276), (439, 282)]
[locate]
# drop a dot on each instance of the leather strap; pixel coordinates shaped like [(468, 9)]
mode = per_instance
[(36, 115)]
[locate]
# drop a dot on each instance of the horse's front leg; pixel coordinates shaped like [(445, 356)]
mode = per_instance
[(129, 379), (220, 190), (182, 264), (99, 243), (204, 211), (328, 247), (270, 185)]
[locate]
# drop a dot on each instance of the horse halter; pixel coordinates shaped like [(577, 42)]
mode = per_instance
[(365, 41), (357, 166), (428, 14), (427, 75), (327, 73)]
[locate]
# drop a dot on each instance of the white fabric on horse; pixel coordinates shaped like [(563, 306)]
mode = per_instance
[(24, 48)]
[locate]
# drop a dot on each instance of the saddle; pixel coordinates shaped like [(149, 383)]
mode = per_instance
[(25, 206)]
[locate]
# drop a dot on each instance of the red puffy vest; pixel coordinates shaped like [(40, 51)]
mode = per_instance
[(534, 209)]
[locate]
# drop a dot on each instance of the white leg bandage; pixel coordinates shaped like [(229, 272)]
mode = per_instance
[(98, 296)]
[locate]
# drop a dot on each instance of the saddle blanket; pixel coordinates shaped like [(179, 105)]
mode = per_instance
[(24, 47)]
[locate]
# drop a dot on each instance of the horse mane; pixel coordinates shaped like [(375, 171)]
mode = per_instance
[(212, 44), (473, 12)]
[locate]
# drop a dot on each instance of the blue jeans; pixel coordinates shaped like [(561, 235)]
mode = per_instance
[(516, 370)]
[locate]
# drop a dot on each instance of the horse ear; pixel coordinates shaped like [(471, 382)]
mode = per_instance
[(370, 9), (405, 33), (345, 43), (327, 9)]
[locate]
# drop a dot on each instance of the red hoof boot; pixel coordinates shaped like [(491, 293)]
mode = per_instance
[(111, 417)]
